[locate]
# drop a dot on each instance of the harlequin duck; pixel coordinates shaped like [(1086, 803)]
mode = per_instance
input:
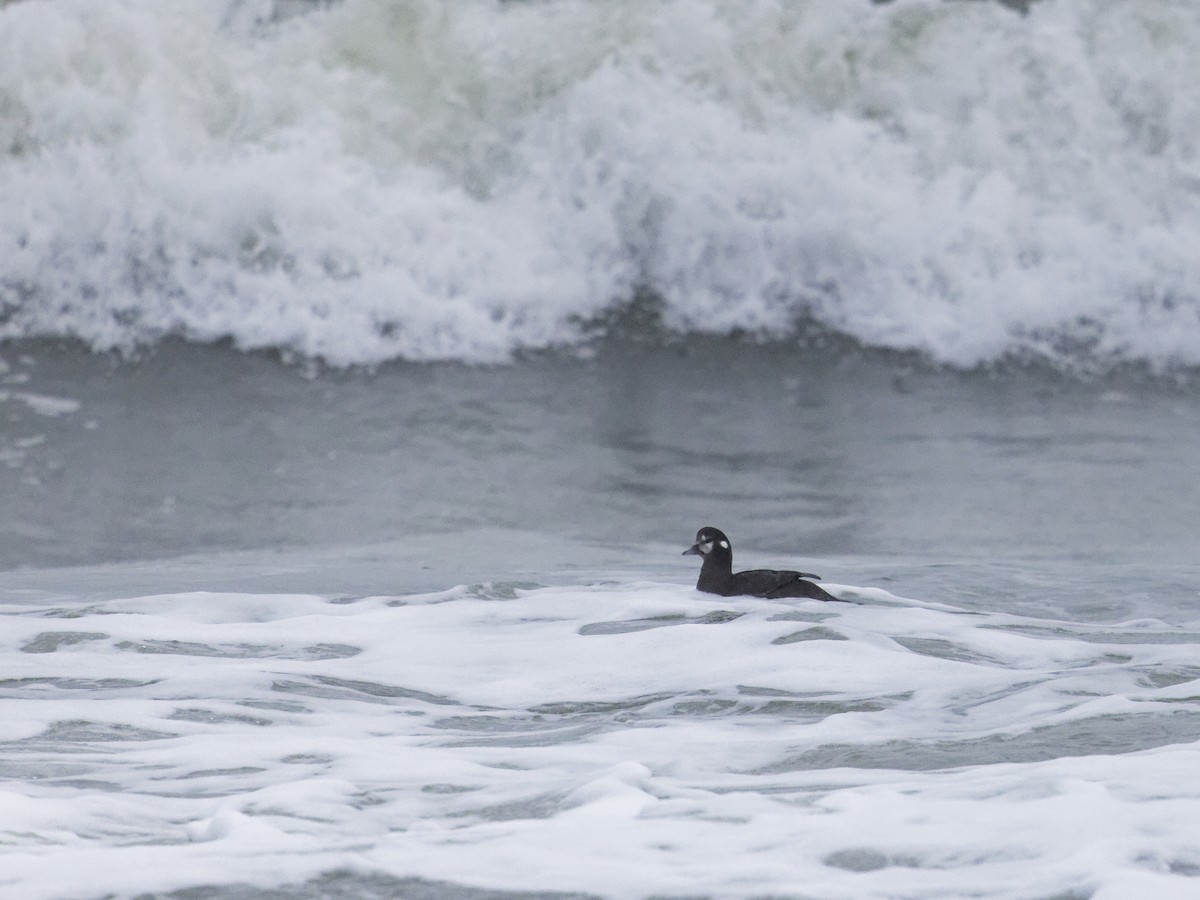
[(717, 575)]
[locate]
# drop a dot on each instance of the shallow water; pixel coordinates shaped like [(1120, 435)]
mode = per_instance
[(446, 326), (426, 630), (548, 466)]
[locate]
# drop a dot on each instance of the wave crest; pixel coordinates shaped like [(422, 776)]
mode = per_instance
[(358, 182)]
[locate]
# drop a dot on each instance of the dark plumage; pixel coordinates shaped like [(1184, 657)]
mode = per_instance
[(717, 575)]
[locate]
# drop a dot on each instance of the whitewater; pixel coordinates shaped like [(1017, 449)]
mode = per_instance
[(367, 365), (620, 740), (363, 181)]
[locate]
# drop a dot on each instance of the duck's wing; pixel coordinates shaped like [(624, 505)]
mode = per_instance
[(777, 583), (798, 587)]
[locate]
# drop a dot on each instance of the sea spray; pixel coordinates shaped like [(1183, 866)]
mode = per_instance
[(363, 181)]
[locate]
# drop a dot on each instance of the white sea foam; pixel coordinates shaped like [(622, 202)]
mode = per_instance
[(622, 740), (364, 180), (42, 404)]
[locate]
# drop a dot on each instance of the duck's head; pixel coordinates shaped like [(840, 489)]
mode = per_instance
[(709, 540)]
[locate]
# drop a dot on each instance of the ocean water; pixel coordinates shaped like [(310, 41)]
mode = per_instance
[(361, 181), (365, 367)]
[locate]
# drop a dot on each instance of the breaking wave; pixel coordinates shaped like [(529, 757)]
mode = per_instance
[(362, 180)]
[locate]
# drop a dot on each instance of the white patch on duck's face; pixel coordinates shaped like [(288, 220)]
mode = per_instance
[(724, 545), (705, 548)]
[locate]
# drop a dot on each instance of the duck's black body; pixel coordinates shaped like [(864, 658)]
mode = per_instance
[(717, 575)]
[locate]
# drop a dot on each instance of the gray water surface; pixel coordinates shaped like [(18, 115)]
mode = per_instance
[(1022, 487)]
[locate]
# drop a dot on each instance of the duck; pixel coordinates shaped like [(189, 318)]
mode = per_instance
[(717, 575)]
